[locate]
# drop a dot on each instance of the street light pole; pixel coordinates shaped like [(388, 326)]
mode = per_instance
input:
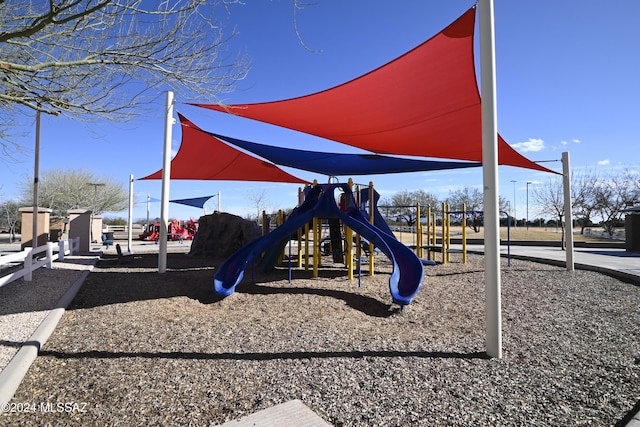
[(36, 171), (36, 178), (148, 209), (214, 211), (515, 214), (528, 182)]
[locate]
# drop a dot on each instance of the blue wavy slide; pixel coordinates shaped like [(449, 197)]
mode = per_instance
[(405, 280)]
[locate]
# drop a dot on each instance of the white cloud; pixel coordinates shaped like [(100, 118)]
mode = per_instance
[(563, 142), (533, 144), (603, 162), (575, 141)]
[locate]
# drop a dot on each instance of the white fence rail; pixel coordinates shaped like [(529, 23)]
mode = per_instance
[(32, 259), (122, 228)]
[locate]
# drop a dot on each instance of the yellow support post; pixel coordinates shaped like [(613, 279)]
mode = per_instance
[(429, 232), (316, 246), (418, 232), (464, 233), (448, 234), (444, 235), (300, 248), (306, 238), (358, 247), (306, 247), (433, 232)]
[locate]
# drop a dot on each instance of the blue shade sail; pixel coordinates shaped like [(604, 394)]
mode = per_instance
[(336, 164)]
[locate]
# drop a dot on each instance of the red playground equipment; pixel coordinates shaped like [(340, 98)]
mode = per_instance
[(176, 230)]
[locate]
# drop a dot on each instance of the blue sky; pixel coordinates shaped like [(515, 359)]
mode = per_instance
[(567, 80)]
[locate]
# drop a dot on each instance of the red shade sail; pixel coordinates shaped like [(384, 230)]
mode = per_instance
[(424, 103), (204, 157)]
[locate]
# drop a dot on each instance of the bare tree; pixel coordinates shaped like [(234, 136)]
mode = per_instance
[(549, 196), (11, 214), (61, 190), (473, 199), (612, 196), (592, 197), (108, 58), (402, 205), (631, 176), (583, 193), (259, 199)]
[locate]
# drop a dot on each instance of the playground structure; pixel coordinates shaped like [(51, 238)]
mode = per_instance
[(176, 230), (320, 204), (428, 240), (355, 227)]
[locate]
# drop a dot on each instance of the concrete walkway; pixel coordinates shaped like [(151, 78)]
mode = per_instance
[(617, 263)]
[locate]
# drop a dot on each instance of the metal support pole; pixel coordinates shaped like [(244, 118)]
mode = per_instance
[(490, 181), (568, 215), (36, 172), (166, 178), (130, 220), (148, 210)]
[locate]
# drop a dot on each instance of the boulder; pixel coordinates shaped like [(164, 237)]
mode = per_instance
[(221, 234)]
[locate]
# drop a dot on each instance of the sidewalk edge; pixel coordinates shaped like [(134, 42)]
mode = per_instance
[(15, 371)]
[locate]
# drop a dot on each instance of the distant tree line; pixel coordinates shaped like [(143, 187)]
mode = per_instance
[(400, 208), (597, 200)]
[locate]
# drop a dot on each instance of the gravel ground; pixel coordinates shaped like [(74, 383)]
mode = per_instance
[(23, 305), (141, 348)]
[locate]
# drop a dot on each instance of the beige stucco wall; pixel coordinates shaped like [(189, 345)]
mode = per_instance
[(27, 227)]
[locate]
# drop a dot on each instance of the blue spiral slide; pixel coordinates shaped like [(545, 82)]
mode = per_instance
[(407, 274)]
